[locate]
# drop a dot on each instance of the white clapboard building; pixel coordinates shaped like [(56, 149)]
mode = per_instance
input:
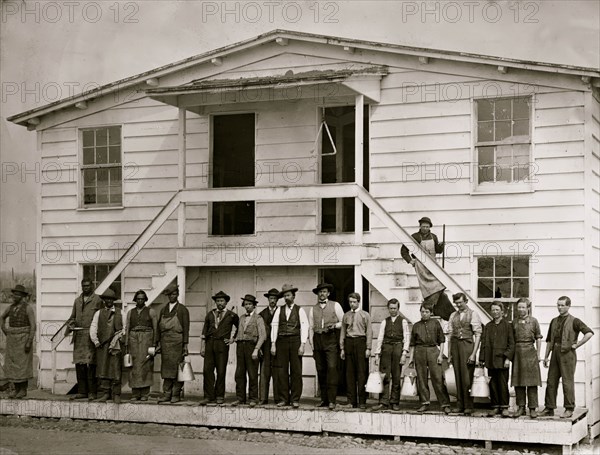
[(297, 158)]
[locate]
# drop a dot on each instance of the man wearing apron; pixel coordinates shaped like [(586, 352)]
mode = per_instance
[(20, 332), (173, 336), (142, 328), (431, 288), (84, 351)]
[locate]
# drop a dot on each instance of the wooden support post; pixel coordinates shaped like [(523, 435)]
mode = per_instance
[(339, 174), (359, 109), (397, 438), (182, 176), (181, 284), (566, 449), (488, 445)]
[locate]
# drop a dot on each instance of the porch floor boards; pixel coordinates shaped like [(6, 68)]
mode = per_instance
[(309, 419)]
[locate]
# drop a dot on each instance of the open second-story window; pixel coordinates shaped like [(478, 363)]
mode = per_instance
[(503, 140), (503, 278), (101, 167)]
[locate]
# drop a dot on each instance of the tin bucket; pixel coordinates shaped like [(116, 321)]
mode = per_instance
[(480, 387), (450, 378), (409, 385), (127, 360), (374, 383), (185, 372)]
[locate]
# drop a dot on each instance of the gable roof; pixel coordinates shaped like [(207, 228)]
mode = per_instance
[(29, 117)]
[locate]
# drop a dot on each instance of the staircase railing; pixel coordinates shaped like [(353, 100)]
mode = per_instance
[(402, 234)]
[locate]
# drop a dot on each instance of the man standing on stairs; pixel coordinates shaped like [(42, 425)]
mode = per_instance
[(84, 351), (431, 288), (218, 334), (325, 321), (393, 344), (173, 337), (105, 331), (464, 334), (20, 332)]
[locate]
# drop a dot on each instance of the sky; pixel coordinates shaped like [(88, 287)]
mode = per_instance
[(53, 49)]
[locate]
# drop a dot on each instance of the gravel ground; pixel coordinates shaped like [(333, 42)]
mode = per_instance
[(144, 438)]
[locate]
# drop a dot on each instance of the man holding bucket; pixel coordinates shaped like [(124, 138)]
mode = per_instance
[(173, 337)]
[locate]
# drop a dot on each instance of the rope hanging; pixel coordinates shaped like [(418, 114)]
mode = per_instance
[(319, 133)]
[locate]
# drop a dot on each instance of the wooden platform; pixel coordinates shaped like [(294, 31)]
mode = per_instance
[(307, 419)]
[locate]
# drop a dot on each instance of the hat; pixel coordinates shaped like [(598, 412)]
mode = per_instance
[(249, 298), (323, 286), (20, 289), (141, 291), (221, 295), (171, 288), (272, 292), (109, 294), (287, 288), (426, 219)]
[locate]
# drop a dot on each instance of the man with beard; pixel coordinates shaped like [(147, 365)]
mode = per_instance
[(269, 368), (142, 329)]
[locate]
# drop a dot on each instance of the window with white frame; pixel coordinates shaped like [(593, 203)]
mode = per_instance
[(503, 140), (504, 278), (101, 167), (96, 272)]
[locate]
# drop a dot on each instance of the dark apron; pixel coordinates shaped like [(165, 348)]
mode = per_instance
[(18, 365), (171, 346), (84, 350), (526, 367), (142, 369)]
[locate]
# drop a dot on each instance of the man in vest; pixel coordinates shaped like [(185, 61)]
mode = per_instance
[(173, 337), (464, 334), (20, 333), (105, 332), (325, 321), (356, 338), (142, 330), (393, 344), (218, 334), (84, 351), (269, 368), (562, 342), (289, 332), (250, 337)]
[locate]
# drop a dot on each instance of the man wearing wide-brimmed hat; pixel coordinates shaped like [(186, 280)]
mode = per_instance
[(218, 334), (142, 330), (250, 337), (289, 332), (173, 338), (84, 351), (106, 330), (268, 367), (325, 321), (432, 288), (20, 332)]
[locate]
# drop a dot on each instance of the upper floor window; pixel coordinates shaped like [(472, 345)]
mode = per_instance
[(101, 169), (503, 141), (96, 272), (504, 278)]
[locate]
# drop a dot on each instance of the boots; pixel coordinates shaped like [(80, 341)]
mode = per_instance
[(520, 412), (21, 390)]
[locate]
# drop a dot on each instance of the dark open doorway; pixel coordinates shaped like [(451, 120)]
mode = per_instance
[(337, 214), (233, 147)]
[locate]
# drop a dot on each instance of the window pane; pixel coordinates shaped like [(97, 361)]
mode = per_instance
[(503, 109), (502, 130), (521, 108), (115, 176), (102, 196), (521, 128), (89, 177), (520, 153), (114, 135), (486, 155), (485, 131), (485, 288), (485, 110), (88, 138), (89, 195), (114, 154), (101, 137), (88, 155), (485, 267), (503, 266), (503, 174), (102, 177), (486, 173), (101, 155), (521, 287), (504, 155), (502, 288), (115, 195), (520, 266)]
